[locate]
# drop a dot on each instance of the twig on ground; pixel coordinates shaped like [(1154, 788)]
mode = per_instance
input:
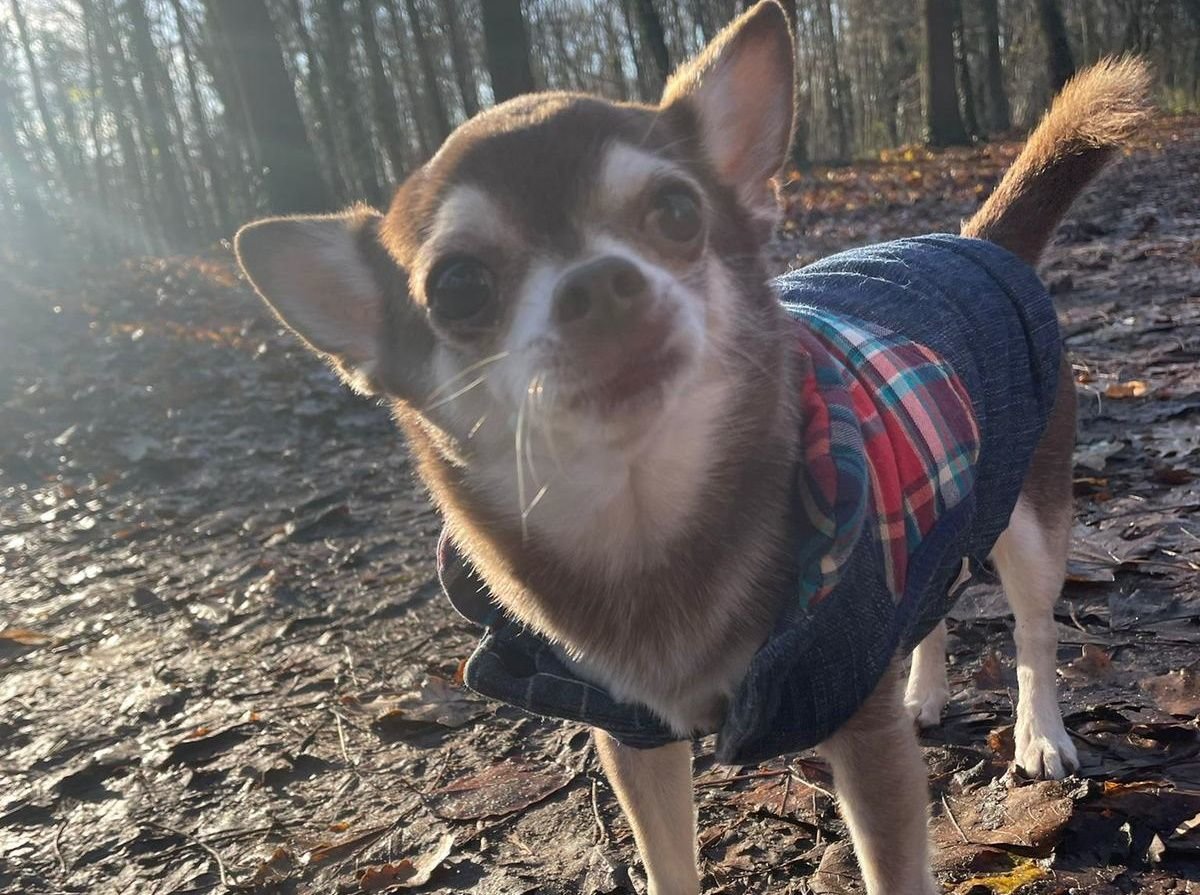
[(954, 821)]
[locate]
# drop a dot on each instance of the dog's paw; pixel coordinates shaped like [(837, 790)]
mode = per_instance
[(1046, 755), (925, 706)]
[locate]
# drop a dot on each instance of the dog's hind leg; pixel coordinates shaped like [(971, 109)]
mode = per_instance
[(883, 790), (654, 787), (1031, 557), (928, 688), (1031, 560)]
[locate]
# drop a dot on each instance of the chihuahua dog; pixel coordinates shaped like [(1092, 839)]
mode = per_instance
[(568, 310)]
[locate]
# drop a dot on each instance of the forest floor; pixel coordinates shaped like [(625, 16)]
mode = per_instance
[(225, 664)]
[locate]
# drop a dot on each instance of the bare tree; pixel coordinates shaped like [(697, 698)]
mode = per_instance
[(433, 96), (163, 146), (655, 41), (999, 117), (383, 99), (50, 134), (291, 175), (507, 49), (460, 58), (943, 124), (1059, 62)]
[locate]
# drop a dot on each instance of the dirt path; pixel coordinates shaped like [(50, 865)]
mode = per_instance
[(224, 664)]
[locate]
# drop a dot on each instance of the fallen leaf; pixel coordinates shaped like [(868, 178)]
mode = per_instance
[(991, 674), (781, 796), (1176, 692), (274, 868), (1093, 662), (1025, 873), (407, 874), (24, 637), (1134, 388), (331, 851), (1095, 456), (502, 789), (1030, 818), (437, 703)]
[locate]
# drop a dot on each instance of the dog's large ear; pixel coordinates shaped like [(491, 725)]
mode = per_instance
[(315, 275), (740, 92)]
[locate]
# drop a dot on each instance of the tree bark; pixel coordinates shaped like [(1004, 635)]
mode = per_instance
[(383, 99), (507, 45), (999, 115), (460, 58), (209, 156), (162, 144), (323, 122), (943, 124), (835, 92), (291, 177), (965, 85), (409, 77), (96, 21), (50, 134), (1060, 65), (645, 91), (433, 95), (361, 152), (655, 40), (37, 229)]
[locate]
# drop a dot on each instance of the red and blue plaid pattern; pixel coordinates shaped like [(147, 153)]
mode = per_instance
[(889, 437)]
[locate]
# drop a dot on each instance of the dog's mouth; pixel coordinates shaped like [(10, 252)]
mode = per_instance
[(640, 379)]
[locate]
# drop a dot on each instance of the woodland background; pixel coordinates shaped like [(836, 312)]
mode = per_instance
[(225, 662), (135, 126)]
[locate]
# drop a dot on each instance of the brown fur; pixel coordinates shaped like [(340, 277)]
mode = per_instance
[(1093, 116), (1091, 119)]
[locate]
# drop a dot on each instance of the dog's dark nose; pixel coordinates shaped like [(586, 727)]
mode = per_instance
[(605, 292)]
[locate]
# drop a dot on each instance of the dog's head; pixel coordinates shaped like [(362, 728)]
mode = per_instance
[(594, 265)]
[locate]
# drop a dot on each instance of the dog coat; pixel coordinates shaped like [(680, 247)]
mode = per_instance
[(927, 372)]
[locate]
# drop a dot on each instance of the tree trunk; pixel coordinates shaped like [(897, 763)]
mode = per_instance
[(383, 99), (612, 56), (163, 147), (291, 176), (1059, 63), (37, 231), (999, 115), (62, 160), (943, 124), (96, 21), (835, 93), (963, 62), (209, 156), (409, 77), (342, 90), (507, 45), (645, 91), (460, 58), (100, 176), (433, 94), (654, 38), (323, 122)]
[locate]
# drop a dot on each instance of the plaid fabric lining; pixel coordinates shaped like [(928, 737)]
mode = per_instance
[(881, 406)]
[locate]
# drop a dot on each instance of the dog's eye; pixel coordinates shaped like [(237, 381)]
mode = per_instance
[(459, 289), (675, 214)]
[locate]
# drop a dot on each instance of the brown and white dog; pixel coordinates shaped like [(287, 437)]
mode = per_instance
[(568, 310)]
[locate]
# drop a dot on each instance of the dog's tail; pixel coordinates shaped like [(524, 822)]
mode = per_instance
[(1095, 115)]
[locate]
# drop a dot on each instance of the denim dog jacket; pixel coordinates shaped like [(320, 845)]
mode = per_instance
[(927, 372)]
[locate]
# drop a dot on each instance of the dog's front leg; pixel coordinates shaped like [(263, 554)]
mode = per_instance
[(654, 787), (883, 791)]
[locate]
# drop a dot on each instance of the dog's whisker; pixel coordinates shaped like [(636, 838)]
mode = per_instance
[(520, 469), (458, 394), (475, 428), (466, 372)]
